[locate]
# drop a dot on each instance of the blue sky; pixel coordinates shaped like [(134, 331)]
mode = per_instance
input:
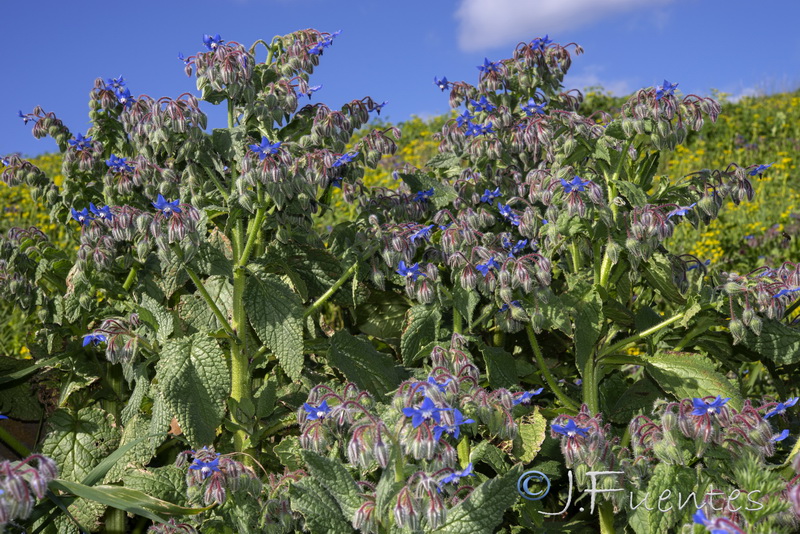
[(390, 50)]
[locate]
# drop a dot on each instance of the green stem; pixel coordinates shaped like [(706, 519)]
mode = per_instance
[(252, 237), (457, 321), (329, 293), (274, 429), (605, 270), (240, 372), (591, 395), (605, 267), (576, 258), (606, 510), (551, 382), (211, 304), (217, 184), (13, 443), (131, 276), (643, 334), (230, 114)]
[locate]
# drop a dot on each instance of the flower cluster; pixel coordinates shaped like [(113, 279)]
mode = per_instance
[(21, 483), (586, 443), (215, 475)]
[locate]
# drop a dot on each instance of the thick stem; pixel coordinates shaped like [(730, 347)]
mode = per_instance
[(211, 304), (115, 521), (131, 276), (591, 395), (551, 382), (329, 293), (576, 256), (606, 511), (457, 322), (240, 371), (217, 184), (252, 237)]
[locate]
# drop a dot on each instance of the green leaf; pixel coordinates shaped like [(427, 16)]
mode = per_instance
[(615, 130), (465, 302), (658, 273), (136, 450), (194, 383), (78, 441), (668, 484), (132, 501), (265, 398), (491, 455), (335, 478), (446, 161), (500, 366), (317, 505), (422, 327), (632, 193), (167, 483), (211, 261), (777, 342), (276, 314), (530, 435), (18, 401), (288, 451), (159, 318), (362, 364), (382, 317), (630, 400), (689, 375), (483, 510), (587, 313)]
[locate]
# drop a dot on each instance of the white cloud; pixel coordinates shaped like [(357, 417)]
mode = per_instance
[(585, 80), (490, 23)]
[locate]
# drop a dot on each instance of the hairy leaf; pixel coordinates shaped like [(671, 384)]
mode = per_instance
[(361, 363), (422, 327), (500, 366), (530, 435), (686, 374), (335, 478)]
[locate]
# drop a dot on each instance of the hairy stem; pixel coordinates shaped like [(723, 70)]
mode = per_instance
[(548, 377), (240, 372), (211, 304), (329, 293), (131, 276)]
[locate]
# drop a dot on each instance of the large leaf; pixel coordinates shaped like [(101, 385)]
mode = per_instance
[(361, 363), (465, 302), (79, 441), (659, 274), (194, 383), (500, 366), (276, 314), (587, 313), (443, 193), (157, 317), (687, 375), (422, 327), (777, 342), (530, 435), (483, 510), (653, 515), (167, 483), (334, 477), (135, 450), (317, 505)]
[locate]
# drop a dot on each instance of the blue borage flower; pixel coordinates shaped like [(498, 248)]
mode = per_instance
[(541, 42), (526, 396), (507, 213), (165, 207), (575, 185), (489, 196), (318, 48), (3, 417), (505, 307), (379, 107), (311, 89), (464, 119), (532, 108), (441, 84), (454, 429), (82, 216), (94, 339), (681, 210), (474, 130), (423, 233), (344, 159), (780, 408), (265, 148), (514, 249), (212, 42), (702, 407), (317, 412), (456, 476), (758, 170), (780, 437), (118, 164), (489, 66), (81, 143), (422, 196), (115, 84), (482, 105), (786, 291), (206, 468), (717, 525), (571, 429), (412, 271), (666, 89), (103, 213), (25, 118), (441, 386), (427, 411), (484, 267)]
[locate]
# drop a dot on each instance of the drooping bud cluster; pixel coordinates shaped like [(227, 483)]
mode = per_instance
[(215, 476), (586, 443), (20, 252), (278, 514), (21, 484), (120, 336)]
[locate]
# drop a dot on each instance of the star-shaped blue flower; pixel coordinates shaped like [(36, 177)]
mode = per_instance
[(482, 105), (786, 291), (456, 476), (205, 468), (441, 84), (344, 159), (666, 89), (702, 407), (505, 307), (454, 429), (488, 66), (412, 271), (165, 207), (759, 169), (441, 386), (464, 119), (571, 429), (489, 196), (422, 196), (541, 42), (212, 42), (508, 214), (115, 84), (423, 233), (81, 143), (526, 396), (574, 186), (95, 339), (311, 89), (317, 412), (484, 267), (681, 210), (781, 407), (532, 108), (780, 437), (118, 164), (514, 249), (426, 411), (82, 216), (103, 213), (265, 148)]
